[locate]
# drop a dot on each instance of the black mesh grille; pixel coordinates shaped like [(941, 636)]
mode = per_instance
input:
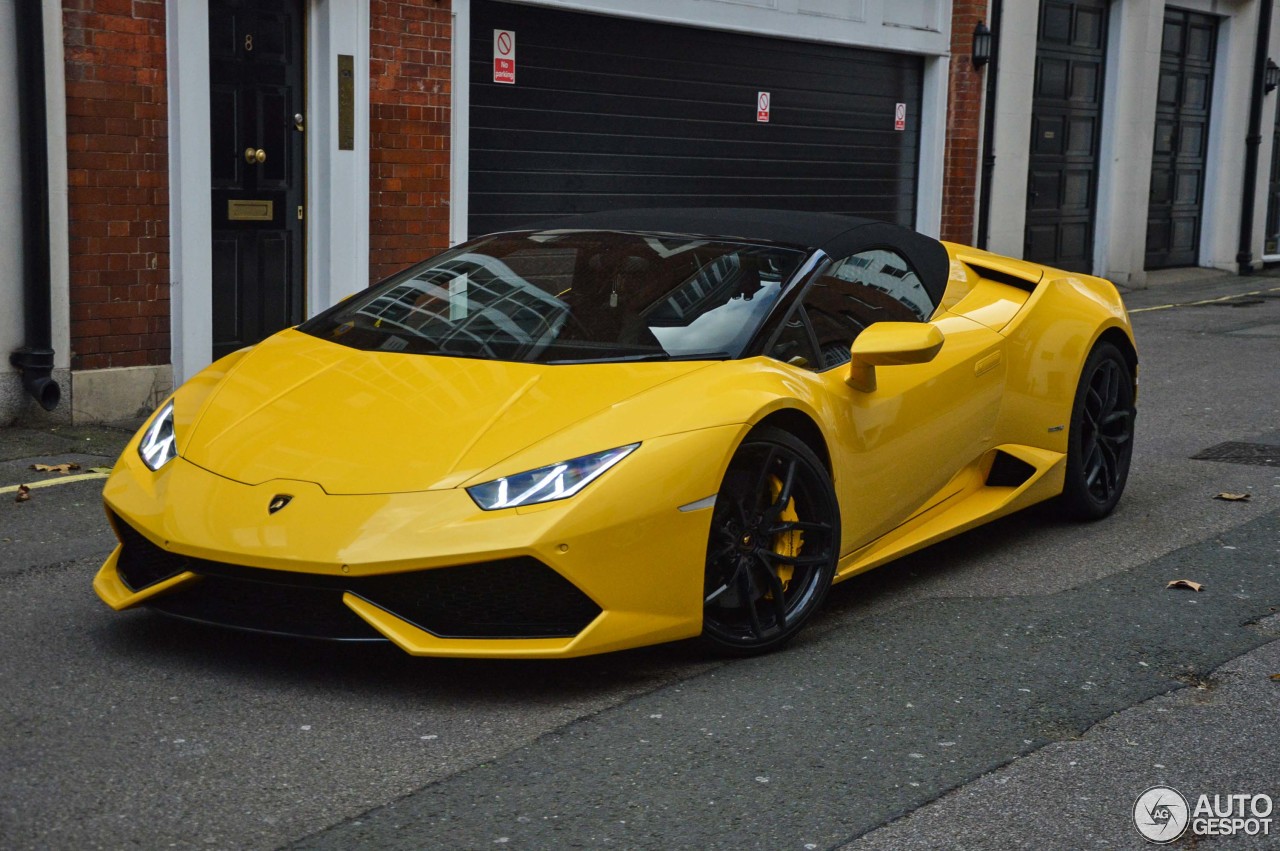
[(518, 597), (510, 598), (311, 612), (141, 562)]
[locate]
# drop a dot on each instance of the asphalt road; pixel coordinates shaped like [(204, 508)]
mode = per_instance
[(1017, 687)]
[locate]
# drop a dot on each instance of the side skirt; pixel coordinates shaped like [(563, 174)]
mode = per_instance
[(973, 497)]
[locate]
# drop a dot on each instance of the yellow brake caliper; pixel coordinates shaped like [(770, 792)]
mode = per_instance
[(786, 543)]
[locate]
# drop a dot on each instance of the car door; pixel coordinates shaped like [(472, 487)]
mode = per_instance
[(896, 450)]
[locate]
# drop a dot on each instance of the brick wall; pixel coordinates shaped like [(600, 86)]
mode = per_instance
[(964, 126), (117, 168), (409, 132)]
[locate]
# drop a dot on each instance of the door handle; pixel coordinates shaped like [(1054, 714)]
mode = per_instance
[(255, 156)]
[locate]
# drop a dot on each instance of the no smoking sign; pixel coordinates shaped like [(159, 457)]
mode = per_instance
[(762, 107), (504, 57)]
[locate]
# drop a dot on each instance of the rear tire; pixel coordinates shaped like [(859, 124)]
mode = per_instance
[(772, 548), (1100, 443)]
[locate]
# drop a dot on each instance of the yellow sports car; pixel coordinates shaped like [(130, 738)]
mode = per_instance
[(622, 429)]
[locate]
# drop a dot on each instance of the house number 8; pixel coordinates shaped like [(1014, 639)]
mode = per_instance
[(248, 42)]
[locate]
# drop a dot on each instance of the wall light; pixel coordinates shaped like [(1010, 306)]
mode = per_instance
[(982, 45)]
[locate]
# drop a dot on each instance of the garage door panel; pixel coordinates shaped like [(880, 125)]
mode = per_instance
[(520, 210), (640, 184), (561, 70), (609, 113), (537, 107), (690, 165), (662, 131)]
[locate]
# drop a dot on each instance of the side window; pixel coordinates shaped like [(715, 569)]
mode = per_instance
[(887, 273), (871, 286), (793, 344)]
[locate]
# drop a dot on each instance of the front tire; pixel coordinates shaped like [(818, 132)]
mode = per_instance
[(772, 549), (1100, 444)]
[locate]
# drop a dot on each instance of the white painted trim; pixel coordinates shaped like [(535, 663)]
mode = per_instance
[(337, 197), (1006, 230), (781, 20), (933, 143), (337, 181), (460, 120), (190, 192), (1106, 207), (55, 93), (1225, 154)]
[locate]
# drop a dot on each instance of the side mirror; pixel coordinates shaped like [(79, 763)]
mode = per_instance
[(890, 344)]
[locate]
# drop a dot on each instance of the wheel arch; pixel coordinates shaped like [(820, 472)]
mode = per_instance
[(1118, 338), (803, 426)]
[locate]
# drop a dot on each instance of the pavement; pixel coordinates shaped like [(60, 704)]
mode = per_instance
[(1015, 687)]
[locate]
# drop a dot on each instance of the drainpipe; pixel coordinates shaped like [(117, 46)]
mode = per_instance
[(1252, 142), (35, 359), (989, 131)]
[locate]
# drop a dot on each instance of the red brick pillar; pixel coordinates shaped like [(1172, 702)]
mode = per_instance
[(409, 125), (964, 125), (118, 176)]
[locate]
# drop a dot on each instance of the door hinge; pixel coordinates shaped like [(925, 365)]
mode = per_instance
[(299, 212)]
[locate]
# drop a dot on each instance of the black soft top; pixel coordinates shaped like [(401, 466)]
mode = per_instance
[(838, 236)]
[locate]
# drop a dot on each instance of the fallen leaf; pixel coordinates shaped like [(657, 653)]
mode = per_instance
[(24, 494), (99, 469), (1233, 497), (55, 468), (1185, 583), (1276, 677)]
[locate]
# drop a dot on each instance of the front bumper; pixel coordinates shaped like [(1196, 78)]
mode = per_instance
[(617, 566)]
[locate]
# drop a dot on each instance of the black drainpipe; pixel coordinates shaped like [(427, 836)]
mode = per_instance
[(35, 359), (1254, 139), (989, 131)]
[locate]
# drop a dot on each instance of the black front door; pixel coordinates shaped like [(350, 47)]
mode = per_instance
[(1271, 243), (256, 101), (1182, 139), (1066, 119)]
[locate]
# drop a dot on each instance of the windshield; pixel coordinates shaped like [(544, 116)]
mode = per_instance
[(570, 297)]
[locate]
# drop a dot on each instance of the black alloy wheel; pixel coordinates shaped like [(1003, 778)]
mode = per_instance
[(772, 549), (1100, 444)]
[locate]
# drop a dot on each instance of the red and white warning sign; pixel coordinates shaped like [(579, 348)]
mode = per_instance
[(762, 107), (504, 56), (899, 117)]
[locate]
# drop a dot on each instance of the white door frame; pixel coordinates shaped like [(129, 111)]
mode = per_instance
[(337, 182)]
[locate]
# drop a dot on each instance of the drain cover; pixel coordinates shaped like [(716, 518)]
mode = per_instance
[(1232, 452)]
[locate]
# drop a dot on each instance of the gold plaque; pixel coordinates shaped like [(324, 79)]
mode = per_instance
[(251, 211), (346, 102)]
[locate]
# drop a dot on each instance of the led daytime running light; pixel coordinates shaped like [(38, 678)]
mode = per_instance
[(157, 446), (547, 484)]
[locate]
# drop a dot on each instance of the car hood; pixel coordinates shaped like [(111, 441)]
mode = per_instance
[(297, 407)]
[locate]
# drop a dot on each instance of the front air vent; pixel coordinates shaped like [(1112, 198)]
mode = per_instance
[(141, 562), (511, 598), (507, 598)]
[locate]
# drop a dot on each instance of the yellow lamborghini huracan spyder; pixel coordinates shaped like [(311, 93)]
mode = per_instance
[(621, 429)]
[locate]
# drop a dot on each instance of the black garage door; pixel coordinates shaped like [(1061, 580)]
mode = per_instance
[(1182, 139), (608, 113)]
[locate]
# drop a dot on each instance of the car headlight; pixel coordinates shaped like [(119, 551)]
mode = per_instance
[(547, 484), (157, 446)]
